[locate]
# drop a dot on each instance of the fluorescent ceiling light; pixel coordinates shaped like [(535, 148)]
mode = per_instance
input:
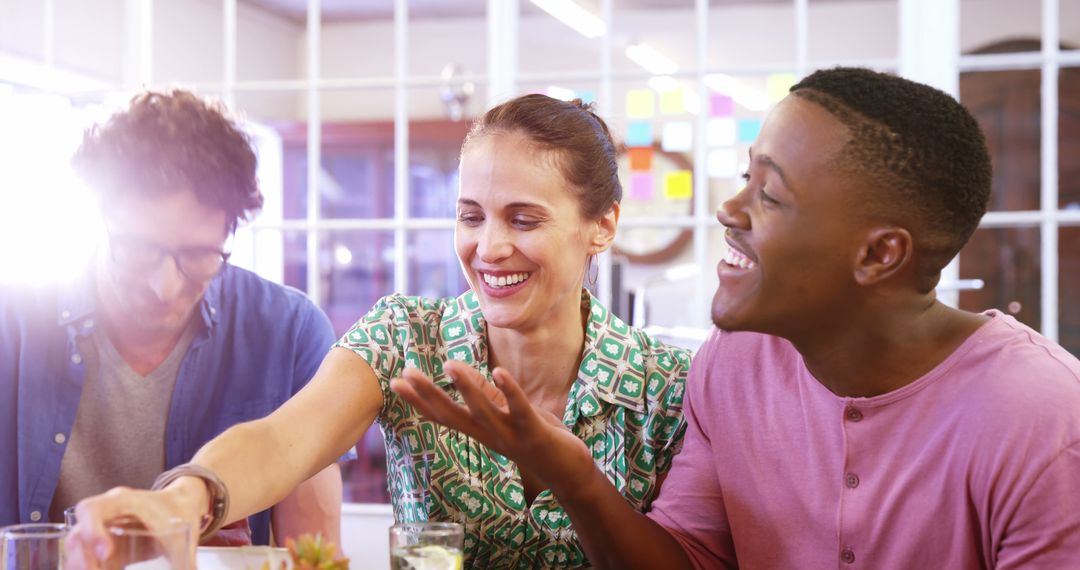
[(556, 92), (653, 61), (663, 83), (569, 13), (741, 93)]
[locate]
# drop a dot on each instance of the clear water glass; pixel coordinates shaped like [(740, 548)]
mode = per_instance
[(136, 547), (35, 546), (426, 546)]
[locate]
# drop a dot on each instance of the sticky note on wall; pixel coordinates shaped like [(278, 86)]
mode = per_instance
[(678, 185), (778, 85), (748, 130), (672, 102), (641, 186), (640, 103), (640, 158), (722, 163), (721, 105), (678, 136), (720, 131), (639, 133)]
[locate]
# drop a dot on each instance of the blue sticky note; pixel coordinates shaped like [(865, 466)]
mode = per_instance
[(639, 133), (748, 130), (586, 96)]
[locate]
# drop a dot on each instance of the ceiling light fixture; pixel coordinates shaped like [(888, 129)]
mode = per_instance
[(573, 15), (653, 61)]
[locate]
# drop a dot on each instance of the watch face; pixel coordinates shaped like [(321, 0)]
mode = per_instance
[(656, 185)]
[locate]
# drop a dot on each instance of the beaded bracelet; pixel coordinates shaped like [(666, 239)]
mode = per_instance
[(219, 494)]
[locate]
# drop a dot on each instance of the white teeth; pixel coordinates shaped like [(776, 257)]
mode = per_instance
[(736, 259), (505, 280)]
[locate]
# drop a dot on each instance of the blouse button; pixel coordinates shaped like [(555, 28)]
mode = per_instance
[(851, 480), (853, 414), (847, 556)]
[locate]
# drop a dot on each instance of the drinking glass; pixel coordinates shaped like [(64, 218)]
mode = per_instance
[(137, 547), (426, 546), (69, 517), (36, 546)]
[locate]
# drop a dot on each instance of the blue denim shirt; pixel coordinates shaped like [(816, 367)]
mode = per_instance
[(261, 343)]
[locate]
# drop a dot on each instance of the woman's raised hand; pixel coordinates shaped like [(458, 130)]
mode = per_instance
[(500, 416)]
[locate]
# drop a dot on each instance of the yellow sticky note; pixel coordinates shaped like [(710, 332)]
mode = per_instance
[(640, 103), (671, 102), (678, 185), (778, 86)]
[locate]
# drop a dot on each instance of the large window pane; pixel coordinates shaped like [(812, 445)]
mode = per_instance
[(1008, 261), (738, 36), (270, 40), (356, 269), (96, 50), (177, 57), (663, 28), (454, 34), (1069, 289), (832, 36), (357, 154), (365, 477), (279, 122), (439, 118), (434, 270), (1069, 138), (546, 44), (1007, 104), (22, 29), (1070, 23), (986, 22)]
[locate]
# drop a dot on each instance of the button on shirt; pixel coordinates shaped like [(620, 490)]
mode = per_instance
[(260, 343), (626, 404), (974, 465)]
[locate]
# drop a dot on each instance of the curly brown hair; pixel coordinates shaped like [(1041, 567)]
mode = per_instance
[(165, 141)]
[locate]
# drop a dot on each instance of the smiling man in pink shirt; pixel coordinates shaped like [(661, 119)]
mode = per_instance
[(839, 416)]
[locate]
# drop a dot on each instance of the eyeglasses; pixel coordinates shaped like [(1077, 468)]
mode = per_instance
[(196, 263)]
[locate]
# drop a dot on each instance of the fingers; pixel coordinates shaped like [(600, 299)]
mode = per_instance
[(468, 382), (417, 389)]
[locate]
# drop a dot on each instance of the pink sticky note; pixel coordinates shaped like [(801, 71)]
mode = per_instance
[(721, 105), (642, 186)]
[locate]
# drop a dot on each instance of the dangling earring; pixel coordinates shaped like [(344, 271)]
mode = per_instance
[(592, 271)]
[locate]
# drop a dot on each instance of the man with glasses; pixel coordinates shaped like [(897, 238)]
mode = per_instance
[(161, 345)]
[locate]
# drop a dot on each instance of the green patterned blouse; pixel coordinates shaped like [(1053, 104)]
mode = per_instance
[(626, 404)]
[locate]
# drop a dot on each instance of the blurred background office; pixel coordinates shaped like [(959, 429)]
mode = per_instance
[(358, 109)]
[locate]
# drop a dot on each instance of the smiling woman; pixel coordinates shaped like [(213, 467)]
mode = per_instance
[(48, 225)]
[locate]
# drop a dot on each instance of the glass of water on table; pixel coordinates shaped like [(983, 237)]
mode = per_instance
[(426, 546)]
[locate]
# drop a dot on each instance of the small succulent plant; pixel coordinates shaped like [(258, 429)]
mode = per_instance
[(313, 553)]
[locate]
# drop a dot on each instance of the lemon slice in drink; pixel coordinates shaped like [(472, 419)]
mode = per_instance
[(431, 558)]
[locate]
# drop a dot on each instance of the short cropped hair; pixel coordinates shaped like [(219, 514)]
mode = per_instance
[(168, 141), (921, 152)]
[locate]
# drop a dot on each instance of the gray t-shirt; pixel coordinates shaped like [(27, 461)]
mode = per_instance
[(119, 432)]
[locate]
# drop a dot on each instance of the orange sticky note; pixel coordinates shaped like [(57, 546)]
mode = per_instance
[(678, 185), (640, 158)]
